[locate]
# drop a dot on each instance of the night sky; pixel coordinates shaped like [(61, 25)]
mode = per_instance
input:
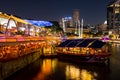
[(92, 11)]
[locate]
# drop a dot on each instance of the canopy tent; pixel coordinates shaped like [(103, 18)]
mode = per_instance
[(7, 17), (90, 43), (4, 16), (19, 20), (33, 22), (40, 23), (74, 43), (86, 43), (97, 44), (63, 44)]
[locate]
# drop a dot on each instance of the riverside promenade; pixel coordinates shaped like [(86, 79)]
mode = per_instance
[(16, 53)]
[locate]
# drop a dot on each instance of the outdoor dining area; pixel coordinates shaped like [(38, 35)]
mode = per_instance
[(11, 51)]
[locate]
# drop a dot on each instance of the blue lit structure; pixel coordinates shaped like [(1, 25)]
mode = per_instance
[(40, 23)]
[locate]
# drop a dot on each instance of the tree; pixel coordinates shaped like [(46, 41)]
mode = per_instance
[(56, 27)]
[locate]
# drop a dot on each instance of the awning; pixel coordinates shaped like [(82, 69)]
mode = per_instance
[(63, 44), (86, 43), (74, 43), (4, 16), (40, 23), (19, 20), (90, 43), (97, 44)]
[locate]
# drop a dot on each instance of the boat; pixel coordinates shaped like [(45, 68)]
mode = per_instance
[(83, 50)]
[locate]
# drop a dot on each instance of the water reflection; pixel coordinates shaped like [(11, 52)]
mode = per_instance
[(54, 69), (75, 73), (115, 61), (84, 72), (47, 67)]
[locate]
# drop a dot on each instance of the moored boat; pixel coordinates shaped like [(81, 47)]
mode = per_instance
[(83, 50)]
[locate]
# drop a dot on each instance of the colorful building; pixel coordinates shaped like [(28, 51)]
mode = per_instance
[(11, 25)]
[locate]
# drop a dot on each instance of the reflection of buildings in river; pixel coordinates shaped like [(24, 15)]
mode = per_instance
[(48, 47), (48, 50), (48, 67), (75, 73)]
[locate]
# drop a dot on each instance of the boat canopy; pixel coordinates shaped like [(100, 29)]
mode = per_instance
[(64, 43), (85, 43)]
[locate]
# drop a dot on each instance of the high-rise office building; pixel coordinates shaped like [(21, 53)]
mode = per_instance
[(113, 16), (76, 15), (66, 23), (76, 20), (71, 24)]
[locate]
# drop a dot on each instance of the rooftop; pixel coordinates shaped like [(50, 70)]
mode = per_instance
[(114, 2)]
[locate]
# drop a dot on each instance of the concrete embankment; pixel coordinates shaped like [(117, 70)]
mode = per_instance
[(16, 55), (10, 67)]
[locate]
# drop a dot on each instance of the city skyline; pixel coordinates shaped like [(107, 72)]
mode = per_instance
[(93, 12)]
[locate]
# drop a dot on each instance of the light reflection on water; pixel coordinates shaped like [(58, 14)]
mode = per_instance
[(75, 73), (53, 69), (115, 62), (47, 68)]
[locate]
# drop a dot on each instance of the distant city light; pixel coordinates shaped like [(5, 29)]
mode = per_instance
[(105, 22), (67, 18)]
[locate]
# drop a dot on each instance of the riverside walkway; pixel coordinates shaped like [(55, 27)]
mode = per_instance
[(16, 53)]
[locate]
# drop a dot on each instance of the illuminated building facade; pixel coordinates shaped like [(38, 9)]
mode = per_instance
[(113, 17), (76, 22), (11, 25), (76, 15), (66, 24), (71, 24), (76, 18)]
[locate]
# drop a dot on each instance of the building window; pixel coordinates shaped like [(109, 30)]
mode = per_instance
[(117, 10)]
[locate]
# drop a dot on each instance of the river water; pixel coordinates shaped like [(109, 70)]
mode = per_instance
[(54, 69)]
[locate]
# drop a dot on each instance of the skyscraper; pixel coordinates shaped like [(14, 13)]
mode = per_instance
[(113, 16), (76, 20), (71, 24), (76, 15)]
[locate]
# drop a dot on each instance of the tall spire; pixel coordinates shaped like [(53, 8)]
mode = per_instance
[(79, 29), (63, 22), (82, 28)]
